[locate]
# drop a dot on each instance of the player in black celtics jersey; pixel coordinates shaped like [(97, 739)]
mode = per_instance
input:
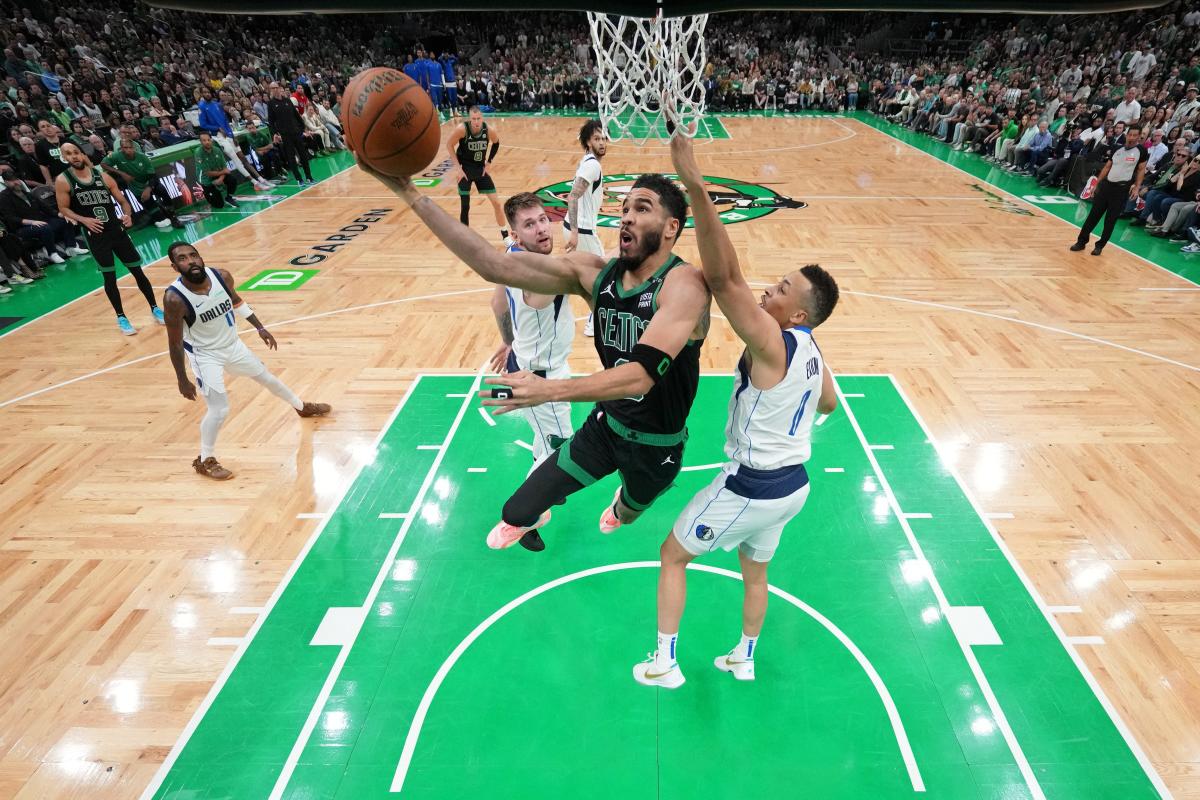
[(89, 197), (472, 147), (651, 313)]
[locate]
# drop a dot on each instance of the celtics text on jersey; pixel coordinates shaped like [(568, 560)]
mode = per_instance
[(621, 317)]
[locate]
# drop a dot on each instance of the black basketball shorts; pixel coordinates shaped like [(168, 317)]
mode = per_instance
[(483, 183)]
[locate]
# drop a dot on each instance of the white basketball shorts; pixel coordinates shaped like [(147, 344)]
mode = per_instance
[(550, 422), (210, 366), (744, 508)]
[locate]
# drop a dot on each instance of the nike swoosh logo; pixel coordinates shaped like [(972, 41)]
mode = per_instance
[(652, 676)]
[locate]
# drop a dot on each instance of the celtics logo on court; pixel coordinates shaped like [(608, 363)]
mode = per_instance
[(736, 201)]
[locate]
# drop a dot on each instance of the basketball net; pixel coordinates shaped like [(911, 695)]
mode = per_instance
[(644, 64)]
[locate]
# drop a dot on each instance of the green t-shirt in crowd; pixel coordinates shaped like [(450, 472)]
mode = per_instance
[(209, 160), (139, 168), (1057, 125), (260, 138), (1189, 75), (1010, 130), (63, 119)]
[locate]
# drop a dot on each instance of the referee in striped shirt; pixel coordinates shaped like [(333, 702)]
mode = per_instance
[(1120, 180)]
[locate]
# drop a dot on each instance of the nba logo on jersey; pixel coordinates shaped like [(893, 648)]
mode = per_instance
[(704, 533)]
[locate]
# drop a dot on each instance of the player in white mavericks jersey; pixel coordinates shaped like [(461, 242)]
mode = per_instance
[(587, 194), (537, 329), (782, 384), (201, 309)]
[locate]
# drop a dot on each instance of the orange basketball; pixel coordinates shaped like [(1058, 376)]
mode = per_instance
[(390, 122)]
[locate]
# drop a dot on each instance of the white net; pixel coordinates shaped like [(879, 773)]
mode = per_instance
[(644, 63)]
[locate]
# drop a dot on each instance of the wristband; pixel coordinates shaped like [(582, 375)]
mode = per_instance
[(654, 361), (244, 311)]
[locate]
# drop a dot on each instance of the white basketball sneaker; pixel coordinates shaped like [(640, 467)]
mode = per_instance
[(742, 670), (651, 673)]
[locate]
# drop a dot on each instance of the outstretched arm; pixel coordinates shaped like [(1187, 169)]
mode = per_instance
[(571, 274), (719, 260)]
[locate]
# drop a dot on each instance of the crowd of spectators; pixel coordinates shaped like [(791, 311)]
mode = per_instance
[(1044, 96), (1055, 102)]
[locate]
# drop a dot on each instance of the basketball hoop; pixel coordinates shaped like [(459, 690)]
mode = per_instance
[(643, 63)]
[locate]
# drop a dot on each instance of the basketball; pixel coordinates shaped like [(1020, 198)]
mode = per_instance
[(390, 122)]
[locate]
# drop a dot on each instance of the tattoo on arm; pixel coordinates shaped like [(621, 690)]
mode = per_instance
[(506, 329), (577, 190)]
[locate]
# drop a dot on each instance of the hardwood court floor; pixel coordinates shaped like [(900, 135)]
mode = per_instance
[(1062, 393)]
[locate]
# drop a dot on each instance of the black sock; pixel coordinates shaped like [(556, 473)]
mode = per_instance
[(114, 294), (464, 209), (144, 284), (503, 233)]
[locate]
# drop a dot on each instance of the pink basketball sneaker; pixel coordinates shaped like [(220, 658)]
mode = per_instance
[(505, 535)]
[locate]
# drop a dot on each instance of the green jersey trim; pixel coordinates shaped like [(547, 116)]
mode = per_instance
[(671, 261), (568, 465), (638, 437), (600, 279), (76, 182)]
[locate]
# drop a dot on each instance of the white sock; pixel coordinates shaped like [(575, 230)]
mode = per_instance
[(277, 388), (664, 654), (745, 648), (218, 409)]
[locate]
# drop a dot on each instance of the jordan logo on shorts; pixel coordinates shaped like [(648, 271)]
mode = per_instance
[(668, 460), (704, 533)]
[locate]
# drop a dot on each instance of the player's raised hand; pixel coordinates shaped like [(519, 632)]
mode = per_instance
[(683, 156)]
